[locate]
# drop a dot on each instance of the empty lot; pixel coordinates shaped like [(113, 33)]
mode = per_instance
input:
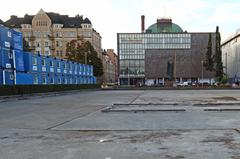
[(124, 124)]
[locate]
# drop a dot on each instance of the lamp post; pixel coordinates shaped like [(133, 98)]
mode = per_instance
[(202, 72)]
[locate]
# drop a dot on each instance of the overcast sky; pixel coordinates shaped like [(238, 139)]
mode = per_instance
[(110, 17)]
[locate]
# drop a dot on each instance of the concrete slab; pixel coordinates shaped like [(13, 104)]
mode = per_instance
[(45, 127), (165, 144), (155, 121)]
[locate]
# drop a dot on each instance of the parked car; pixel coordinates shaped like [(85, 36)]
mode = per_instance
[(182, 84)]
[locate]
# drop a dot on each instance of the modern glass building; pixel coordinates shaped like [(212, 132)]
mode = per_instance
[(133, 49)]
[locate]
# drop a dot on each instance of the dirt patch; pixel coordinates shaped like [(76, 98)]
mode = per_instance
[(223, 139), (155, 137), (174, 157), (225, 98)]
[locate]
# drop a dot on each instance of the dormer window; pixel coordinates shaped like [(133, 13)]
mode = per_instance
[(86, 26), (57, 25), (26, 26)]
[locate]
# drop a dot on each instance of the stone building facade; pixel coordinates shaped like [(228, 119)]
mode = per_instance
[(47, 33), (110, 66)]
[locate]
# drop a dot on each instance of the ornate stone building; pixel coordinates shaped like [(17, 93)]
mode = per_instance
[(47, 33)]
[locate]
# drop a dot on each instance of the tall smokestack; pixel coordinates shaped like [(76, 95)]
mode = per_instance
[(143, 23)]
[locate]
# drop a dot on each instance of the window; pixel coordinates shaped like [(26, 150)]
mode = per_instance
[(34, 61), (71, 34), (47, 52), (38, 44), (51, 64), (43, 62), (60, 44), (11, 77), (10, 56), (61, 53), (44, 80), (59, 80), (51, 80), (35, 79), (58, 64), (46, 44)]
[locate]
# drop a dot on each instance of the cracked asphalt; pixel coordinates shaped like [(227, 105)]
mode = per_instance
[(74, 125)]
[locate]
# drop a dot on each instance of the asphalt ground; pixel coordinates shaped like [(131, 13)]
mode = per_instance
[(125, 124)]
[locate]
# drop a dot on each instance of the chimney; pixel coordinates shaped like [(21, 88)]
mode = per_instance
[(143, 23)]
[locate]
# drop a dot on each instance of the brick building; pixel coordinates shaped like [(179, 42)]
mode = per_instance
[(110, 66)]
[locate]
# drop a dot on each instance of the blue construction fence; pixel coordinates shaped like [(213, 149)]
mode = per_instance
[(18, 67)]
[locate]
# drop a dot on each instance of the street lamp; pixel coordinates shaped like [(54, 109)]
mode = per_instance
[(202, 72)]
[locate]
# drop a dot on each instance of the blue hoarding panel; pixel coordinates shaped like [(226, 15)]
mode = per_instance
[(80, 80), (5, 37), (70, 79), (44, 65), (91, 70), (94, 80), (18, 60), (80, 69), (51, 79), (24, 78), (36, 78), (17, 40), (6, 58), (6, 77), (44, 79), (88, 70), (65, 79), (70, 63), (65, 67), (31, 62), (58, 66), (58, 79), (52, 65), (75, 71), (77, 80), (84, 70)]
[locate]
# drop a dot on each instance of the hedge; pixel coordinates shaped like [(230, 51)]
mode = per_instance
[(29, 89)]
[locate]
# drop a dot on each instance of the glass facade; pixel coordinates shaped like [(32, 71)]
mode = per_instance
[(132, 46)]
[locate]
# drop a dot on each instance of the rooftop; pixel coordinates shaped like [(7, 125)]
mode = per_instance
[(56, 18), (164, 25)]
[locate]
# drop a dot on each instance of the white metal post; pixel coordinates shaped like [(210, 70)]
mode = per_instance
[(4, 77), (202, 72), (14, 68)]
